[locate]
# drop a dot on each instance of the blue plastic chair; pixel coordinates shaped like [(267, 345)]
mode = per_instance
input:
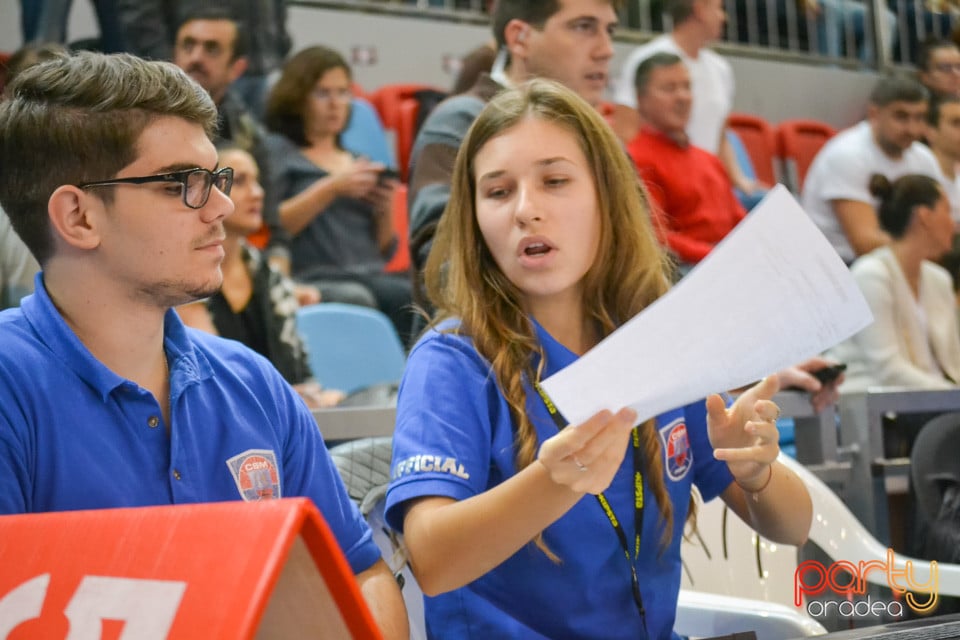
[(365, 134), (350, 347)]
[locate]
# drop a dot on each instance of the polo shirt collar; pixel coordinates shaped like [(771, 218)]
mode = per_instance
[(558, 356), (49, 327)]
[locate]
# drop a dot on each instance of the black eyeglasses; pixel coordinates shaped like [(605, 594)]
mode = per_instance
[(195, 184), (947, 67)]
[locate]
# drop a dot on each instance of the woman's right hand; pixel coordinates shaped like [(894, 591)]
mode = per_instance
[(359, 179), (585, 458)]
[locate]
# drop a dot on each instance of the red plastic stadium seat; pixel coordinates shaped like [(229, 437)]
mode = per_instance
[(388, 98), (400, 262), (798, 142), (406, 134), (758, 137)]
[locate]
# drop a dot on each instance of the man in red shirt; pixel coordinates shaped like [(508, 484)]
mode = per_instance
[(694, 205)]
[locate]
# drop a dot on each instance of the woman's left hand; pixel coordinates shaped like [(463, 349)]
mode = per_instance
[(745, 435)]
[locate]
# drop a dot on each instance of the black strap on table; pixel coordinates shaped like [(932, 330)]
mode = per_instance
[(562, 423)]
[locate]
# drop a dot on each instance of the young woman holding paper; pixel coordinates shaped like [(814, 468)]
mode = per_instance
[(520, 527)]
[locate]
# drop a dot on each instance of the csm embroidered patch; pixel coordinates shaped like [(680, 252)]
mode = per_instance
[(256, 475), (676, 449)]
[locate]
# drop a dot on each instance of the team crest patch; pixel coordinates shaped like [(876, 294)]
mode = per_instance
[(676, 449), (255, 472)]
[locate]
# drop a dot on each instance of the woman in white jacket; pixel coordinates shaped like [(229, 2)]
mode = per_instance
[(914, 340)]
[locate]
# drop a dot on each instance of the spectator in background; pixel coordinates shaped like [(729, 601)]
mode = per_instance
[(836, 191), (256, 304), (211, 48), (914, 340), (943, 137), (264, 24), (696, 24), (696, 207), (337, 207), (476, 62), (938, 67), (108, 400), (148, 28)]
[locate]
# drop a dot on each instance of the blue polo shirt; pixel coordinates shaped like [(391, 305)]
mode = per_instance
[(75, 435), (454, 438)]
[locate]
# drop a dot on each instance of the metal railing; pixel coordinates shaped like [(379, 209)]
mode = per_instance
[(869, 34)]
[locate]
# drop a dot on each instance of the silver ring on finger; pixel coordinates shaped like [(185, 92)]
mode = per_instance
[(582, 467)]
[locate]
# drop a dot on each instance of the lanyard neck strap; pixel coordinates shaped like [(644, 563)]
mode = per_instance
[(562, 423)]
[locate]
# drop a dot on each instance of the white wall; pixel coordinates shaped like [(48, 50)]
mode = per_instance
[(411, 49)]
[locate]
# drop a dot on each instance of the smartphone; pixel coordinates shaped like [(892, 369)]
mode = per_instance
[(389, 174), (827, 375)]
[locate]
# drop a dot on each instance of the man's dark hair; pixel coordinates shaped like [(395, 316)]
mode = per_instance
[(899, 197), (898, 87), (240, 44), (936, 108), (646, 68), (928, 46), (533, 12), (679, 10)]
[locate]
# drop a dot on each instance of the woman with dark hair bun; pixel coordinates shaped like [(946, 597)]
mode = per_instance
[(914, 341)]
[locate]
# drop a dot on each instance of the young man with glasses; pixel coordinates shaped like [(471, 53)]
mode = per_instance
[(106, 399), (938, 67), (943, 137)]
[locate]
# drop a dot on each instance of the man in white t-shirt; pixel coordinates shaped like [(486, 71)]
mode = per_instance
[(836, 192), (943, 137), (696, 24)]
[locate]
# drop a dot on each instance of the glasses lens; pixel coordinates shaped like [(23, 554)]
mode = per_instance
[(198, 188), (224, 180)]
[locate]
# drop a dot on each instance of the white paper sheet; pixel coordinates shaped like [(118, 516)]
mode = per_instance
[(772, 294)]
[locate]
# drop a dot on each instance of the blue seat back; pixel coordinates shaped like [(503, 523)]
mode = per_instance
[(350, 347), (365, 135), (740, 153)]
